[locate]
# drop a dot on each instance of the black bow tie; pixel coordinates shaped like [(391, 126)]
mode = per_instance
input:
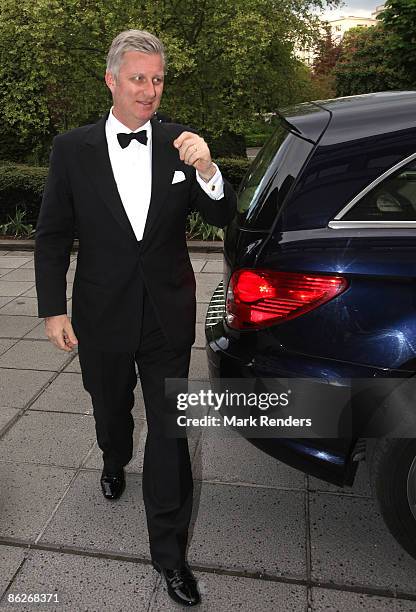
[(125, 139)]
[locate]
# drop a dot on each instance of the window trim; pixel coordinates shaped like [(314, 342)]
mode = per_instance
[(338, 223)]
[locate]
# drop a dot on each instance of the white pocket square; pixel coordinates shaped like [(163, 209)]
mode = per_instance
[(178, 177)]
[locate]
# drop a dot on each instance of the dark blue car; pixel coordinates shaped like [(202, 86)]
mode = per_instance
[(320, 278)]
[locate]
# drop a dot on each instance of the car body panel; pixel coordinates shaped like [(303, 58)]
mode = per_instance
[(332, 151)]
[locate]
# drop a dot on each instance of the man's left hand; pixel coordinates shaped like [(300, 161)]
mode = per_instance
[(194, 151)]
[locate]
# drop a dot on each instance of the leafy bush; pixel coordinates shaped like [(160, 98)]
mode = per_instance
[(197, 229), (233, 170), (21, 189), (256, 139), (16, 228), (227, 145)]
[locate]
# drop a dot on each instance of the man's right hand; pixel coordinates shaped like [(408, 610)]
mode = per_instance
[(59, 331)]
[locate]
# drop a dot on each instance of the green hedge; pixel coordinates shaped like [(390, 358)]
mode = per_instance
[(21, 186), (256, 140), (233, 169)]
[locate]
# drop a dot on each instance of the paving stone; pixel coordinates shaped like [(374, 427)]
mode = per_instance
[(38, 332), (403, 605), (5, 345), (14, 261), (197, 264), (350, 544), (21, 305), (361, 484), (230, 593), (249, 529), (27, 253), (17, 387), (345, 601), (200, 341), (6, 415), (30, 292), (205, 286), (13, 288), (16, 327), (214, 266), (199, 366), (73, 366), (10, 559), (4, 271), (5, 300), (20, 274), (31, 494), (28, 354), (206, 255), (201, 312), (84, 583), (88, 520), (65, 394), (209, 280), (47, 437), (233, 459), (29, 264)]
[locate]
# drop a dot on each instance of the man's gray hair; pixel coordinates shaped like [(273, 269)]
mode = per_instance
[(132, 40)]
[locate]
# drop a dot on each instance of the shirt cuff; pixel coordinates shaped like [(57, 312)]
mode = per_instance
[(215, 186)]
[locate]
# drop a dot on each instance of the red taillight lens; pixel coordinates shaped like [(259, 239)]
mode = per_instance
[(258, 298)]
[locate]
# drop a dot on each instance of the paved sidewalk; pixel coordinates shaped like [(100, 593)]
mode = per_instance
[(264, 536)]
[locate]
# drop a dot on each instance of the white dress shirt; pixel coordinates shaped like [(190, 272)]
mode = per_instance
[(132, 169)]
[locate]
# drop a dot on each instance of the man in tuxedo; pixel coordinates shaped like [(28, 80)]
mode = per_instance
[(125, 185)]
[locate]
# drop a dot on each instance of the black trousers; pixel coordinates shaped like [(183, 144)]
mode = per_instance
[(110, 378)]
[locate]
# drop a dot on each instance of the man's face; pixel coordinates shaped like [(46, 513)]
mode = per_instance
[(138, 88)]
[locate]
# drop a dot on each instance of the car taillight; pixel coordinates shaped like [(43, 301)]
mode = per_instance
[(259, 298)]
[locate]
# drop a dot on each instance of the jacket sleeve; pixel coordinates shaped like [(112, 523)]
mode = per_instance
[(54, 237), (215, 212)]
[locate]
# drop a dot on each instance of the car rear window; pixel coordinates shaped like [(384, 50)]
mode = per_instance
[(336, 173), (270, 177)]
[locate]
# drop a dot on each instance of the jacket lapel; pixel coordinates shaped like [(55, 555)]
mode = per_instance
[(96, 162), (164, 160)]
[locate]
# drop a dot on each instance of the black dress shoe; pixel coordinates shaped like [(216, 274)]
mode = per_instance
[(181, 584), (112, 484)]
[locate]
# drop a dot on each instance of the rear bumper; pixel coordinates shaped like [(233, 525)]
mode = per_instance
[(232, 354), (329, 459)]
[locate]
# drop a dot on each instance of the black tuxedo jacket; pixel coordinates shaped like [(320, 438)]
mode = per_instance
[(81, 194)]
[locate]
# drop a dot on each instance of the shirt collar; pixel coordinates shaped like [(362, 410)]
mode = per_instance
[(116, 126)]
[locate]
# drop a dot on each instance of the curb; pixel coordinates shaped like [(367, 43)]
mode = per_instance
[(216, 246)]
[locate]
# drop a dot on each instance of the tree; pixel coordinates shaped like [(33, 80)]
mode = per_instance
[(399, 18), (363, 65), (52, 57), (228, 61), (327, 53)]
